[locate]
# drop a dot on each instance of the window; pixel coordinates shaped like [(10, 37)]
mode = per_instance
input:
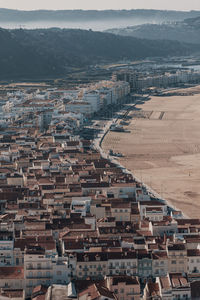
[(30, 283), (122, 291), (30, 266), (39, 266), (30, 274), (195, 270), (173, 262), (59, 273)]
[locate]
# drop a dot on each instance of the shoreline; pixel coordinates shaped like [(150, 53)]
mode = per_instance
[(161, 146), (97, 144)]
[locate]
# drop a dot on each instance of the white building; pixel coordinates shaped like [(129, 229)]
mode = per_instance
[(79, 106), (38, 269), (80, 205), (93, 98), (193, 261)]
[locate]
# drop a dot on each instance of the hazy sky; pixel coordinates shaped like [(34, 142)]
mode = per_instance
[(102, 4)]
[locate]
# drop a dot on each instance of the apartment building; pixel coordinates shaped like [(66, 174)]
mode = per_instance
[(159, 263), (91, 264), (124, 287), (177, 254), (193, 261), (38, 268), (122, 263)]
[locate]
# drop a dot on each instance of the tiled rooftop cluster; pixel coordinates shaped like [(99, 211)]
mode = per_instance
[(75, 225), (52, 106)]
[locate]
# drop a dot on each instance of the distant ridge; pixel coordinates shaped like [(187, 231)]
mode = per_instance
[(10, 15), (187, 31)]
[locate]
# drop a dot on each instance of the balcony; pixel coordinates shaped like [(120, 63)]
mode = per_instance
[(39, 277), (132, 294), (38, 268), (112, 267)]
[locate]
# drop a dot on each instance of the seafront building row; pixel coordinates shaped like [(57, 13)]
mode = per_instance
[(73, 224), (157, 78)]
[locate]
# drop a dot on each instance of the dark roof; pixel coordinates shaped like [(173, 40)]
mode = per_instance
[(11, 273), (95, 185), (188, 221), (193, 252), (195, 290), (91, 256), (128, 280), (176, 247)]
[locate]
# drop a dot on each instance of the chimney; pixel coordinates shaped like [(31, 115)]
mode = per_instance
[(164, 239), (89, 296)]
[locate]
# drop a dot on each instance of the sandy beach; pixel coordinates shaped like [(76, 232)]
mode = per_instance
[(162, 148)]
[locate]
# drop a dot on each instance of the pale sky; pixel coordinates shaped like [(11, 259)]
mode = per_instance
[(101, 4)]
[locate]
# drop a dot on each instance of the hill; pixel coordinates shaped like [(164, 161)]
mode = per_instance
[(53, 52), (185, 31)]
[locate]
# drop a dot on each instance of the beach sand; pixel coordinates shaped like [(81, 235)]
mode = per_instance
[(162, 148)]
